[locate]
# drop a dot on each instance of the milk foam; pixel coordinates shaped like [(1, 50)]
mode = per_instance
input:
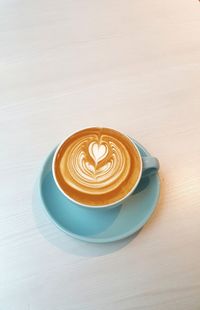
[(95, 164)]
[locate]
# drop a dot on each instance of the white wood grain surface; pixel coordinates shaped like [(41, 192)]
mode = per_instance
[(131, 65)]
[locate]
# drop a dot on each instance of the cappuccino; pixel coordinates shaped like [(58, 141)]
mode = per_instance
[(97, 166)]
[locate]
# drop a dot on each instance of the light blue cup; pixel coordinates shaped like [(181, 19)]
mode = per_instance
[(149, 165)]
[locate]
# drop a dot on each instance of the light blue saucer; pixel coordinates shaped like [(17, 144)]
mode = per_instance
[(99, 225)]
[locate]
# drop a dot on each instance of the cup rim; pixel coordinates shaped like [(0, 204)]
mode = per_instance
[(96, 206)]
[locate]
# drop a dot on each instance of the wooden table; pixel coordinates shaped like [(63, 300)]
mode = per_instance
[(131, 65)]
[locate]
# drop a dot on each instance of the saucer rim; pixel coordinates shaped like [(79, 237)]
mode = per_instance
[(119, 237)]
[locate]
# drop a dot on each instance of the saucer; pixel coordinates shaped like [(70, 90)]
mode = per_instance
[(99, 225)]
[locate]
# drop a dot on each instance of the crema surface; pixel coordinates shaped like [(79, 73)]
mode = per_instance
[(97, 166)]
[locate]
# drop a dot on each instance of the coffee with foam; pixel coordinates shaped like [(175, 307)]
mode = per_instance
[(97, 166)]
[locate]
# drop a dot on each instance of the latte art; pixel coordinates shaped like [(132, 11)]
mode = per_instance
[(97, 164)]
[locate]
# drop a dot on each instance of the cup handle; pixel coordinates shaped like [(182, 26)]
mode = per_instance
[(150, 166)]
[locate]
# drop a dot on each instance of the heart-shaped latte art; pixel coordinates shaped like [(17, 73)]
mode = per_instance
[(97, 151), (97, 166)]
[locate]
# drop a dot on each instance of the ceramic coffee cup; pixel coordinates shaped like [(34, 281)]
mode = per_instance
[(147, 166)]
